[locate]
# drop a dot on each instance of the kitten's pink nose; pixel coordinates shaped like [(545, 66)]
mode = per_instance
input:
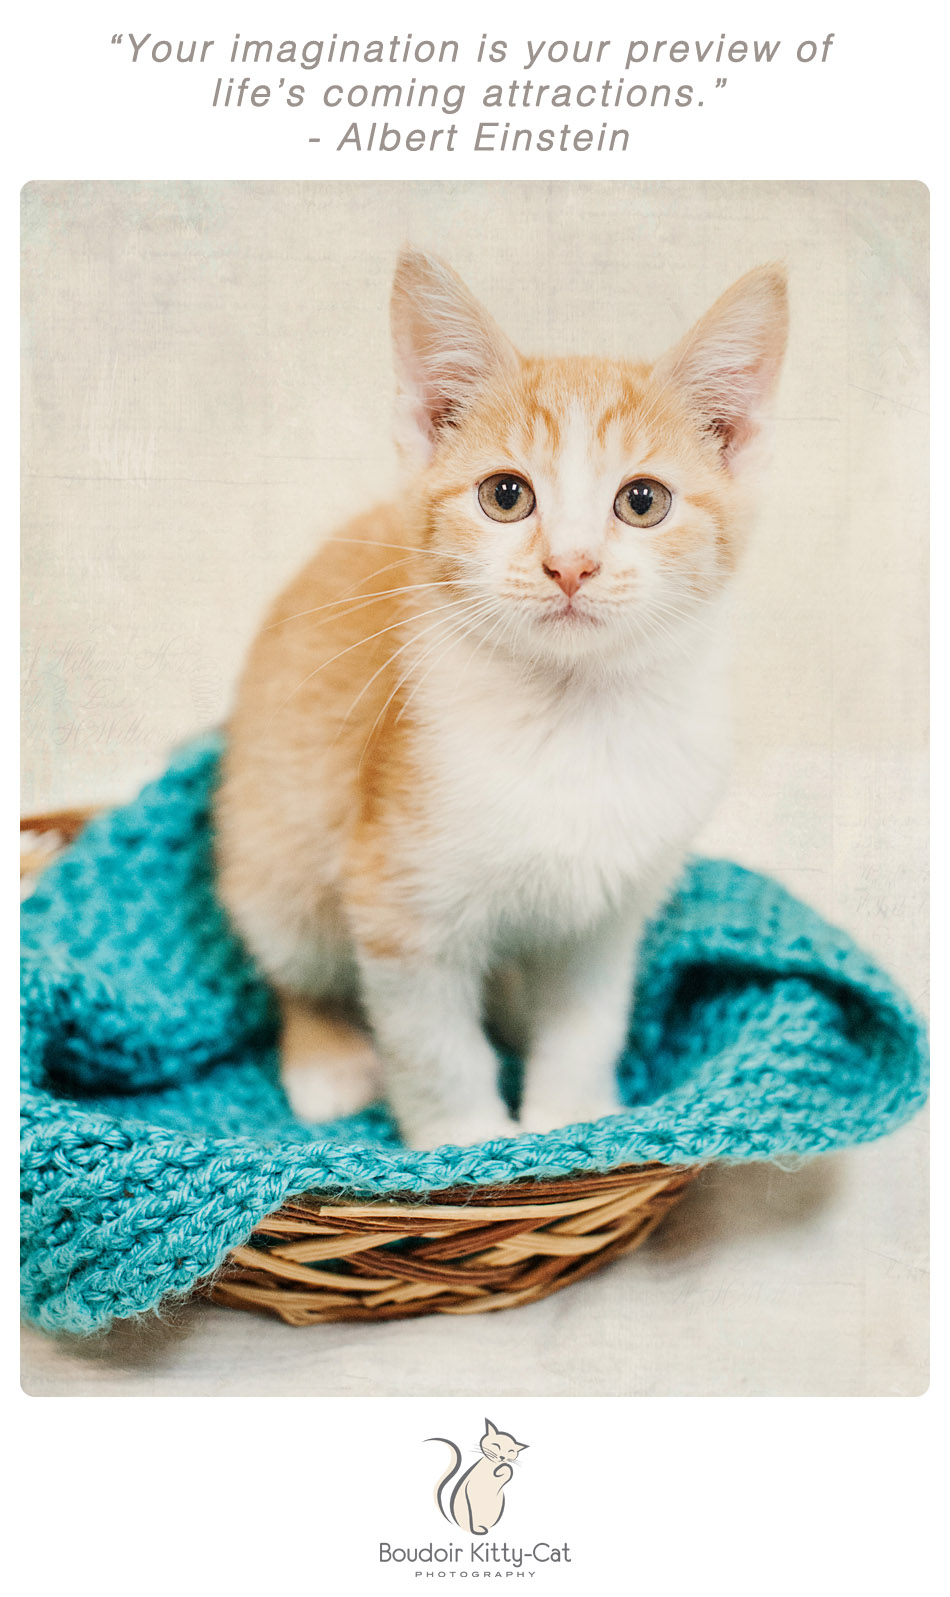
[(569, 571)]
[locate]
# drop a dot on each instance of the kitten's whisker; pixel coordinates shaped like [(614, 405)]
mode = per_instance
[(667, 632), (455, 627), (361, 601), (390, 565), (414, 638), (677, 612), (408, 548), (372, 636), (455, 635), (496, 632), (390, 699), (701, 600), (353, 590), (380, 571), (476, 617), (695, 623), (478, 607)]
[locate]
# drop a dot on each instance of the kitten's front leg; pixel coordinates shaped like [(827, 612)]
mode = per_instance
[(441, 1072), (580, 998)]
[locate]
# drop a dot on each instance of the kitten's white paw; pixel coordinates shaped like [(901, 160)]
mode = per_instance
[(326, 1088), (461, 1130), (328, 1068), (545, 1114)]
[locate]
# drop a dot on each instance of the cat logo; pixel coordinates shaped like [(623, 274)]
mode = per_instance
[(476, 1500)]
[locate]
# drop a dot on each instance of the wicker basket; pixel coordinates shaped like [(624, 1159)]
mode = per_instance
[(464, 1250)]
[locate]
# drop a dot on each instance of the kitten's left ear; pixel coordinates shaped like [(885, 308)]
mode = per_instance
[(490, 1429), (446, 347), (728, 364)]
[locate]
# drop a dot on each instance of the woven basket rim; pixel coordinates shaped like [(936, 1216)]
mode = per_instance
[(313, 1261), (469, 1195)]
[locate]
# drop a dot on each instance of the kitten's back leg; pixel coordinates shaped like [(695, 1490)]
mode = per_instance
[(329, 1066)]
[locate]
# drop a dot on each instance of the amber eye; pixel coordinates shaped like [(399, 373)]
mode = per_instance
[(643, 502), (506, 497)]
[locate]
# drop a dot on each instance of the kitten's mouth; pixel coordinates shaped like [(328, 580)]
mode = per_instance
[(570, 613)]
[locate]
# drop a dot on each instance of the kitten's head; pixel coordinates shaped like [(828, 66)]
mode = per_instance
[(498, 1447), (589, 509)]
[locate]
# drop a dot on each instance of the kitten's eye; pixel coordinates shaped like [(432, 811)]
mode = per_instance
[(643, 502), (505, 497)]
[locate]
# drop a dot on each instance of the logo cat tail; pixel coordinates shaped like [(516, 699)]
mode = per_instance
[(444, 1481)]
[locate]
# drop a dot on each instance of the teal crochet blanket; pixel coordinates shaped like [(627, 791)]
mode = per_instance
[(156, 1134)]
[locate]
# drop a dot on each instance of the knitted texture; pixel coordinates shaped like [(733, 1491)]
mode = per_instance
[(156, 1133)]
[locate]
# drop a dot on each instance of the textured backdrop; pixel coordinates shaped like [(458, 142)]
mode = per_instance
[(207, 388)]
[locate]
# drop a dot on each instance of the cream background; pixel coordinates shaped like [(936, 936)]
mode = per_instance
[(207, 387)]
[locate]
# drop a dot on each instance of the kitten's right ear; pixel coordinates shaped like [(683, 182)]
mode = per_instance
[(446, 346)]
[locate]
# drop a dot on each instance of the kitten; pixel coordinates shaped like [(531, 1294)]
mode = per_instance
[(475, 736), (478, 1497)]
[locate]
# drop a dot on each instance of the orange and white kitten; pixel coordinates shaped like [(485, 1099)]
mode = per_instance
[(475, 736)]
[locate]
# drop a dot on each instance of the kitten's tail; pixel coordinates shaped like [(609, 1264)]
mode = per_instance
[(443, 1483)]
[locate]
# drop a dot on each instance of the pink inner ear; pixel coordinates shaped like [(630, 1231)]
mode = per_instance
[(438, 388), (432, 405), (439, 409), (733, 433), (740, 393)]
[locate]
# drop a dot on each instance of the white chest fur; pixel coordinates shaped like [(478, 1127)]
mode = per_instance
[(547, 804)]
